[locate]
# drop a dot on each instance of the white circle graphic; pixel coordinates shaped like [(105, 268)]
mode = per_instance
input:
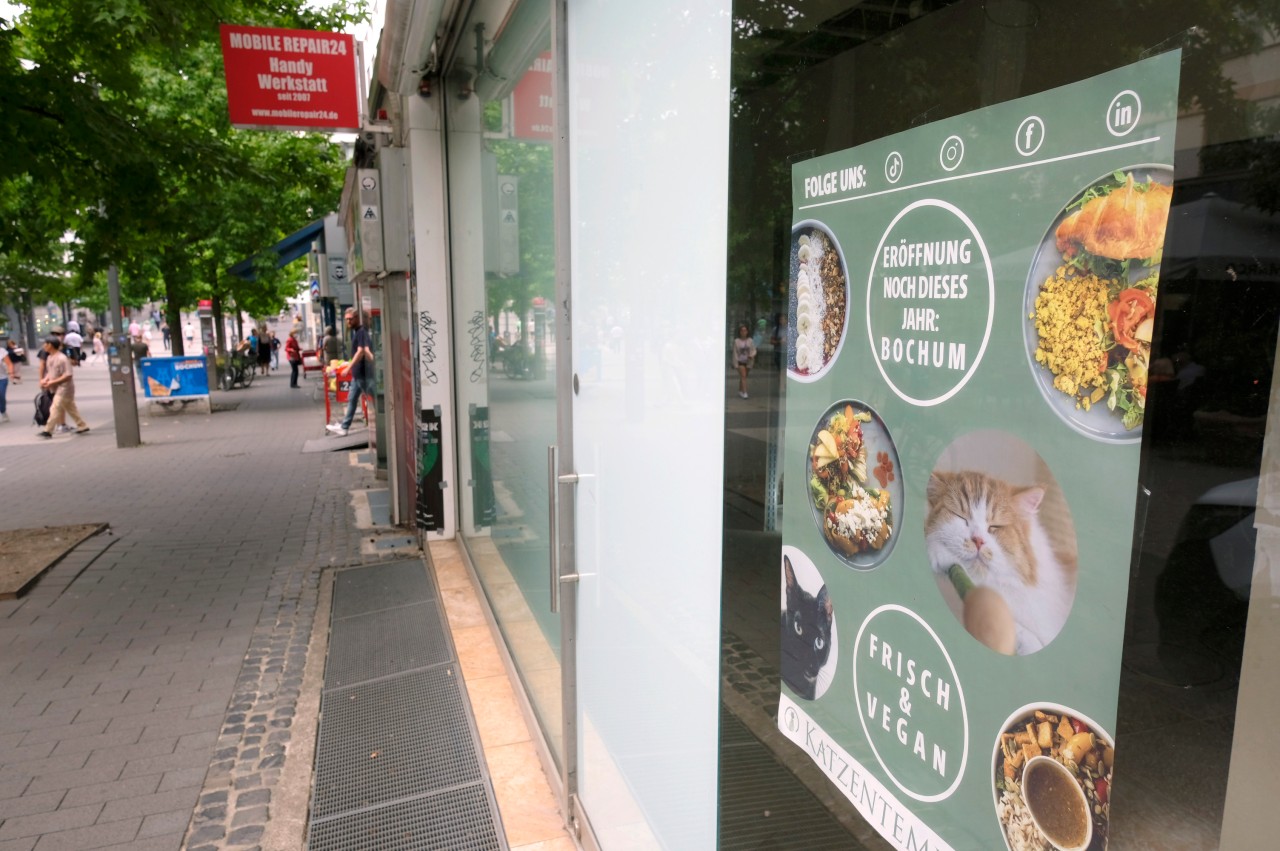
[(955, 678), (1121, 118), (991, 302), (1027, 140), (952, 153), (893, 167)]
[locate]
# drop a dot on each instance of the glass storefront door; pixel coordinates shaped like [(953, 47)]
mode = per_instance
[(501, 207), (648, 126), (628, 666)]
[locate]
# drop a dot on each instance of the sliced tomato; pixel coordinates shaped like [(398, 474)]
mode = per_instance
[(1127, 312)]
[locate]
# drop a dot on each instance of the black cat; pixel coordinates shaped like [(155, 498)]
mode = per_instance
[(806, 635)]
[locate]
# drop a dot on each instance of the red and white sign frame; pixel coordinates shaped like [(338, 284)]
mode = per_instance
[(532, 115), (283, 79)]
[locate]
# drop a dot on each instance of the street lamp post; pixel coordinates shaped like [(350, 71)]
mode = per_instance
[(124, 398)]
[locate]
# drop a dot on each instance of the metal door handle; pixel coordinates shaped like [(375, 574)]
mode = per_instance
[(554, 480)]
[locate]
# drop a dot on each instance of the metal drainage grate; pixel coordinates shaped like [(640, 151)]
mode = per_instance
[(357, 592), (398, 762), (392, 739), (456, 820), (378, 644)]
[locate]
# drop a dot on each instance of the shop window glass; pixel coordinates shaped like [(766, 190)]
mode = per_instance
[(813, 78), (506, 163)]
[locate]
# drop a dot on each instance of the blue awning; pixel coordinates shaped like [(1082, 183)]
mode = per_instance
[(286, 251)]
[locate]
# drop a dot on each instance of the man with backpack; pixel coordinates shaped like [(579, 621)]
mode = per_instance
[(55, 333), (59, 380)]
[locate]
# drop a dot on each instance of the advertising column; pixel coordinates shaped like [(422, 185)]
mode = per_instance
[(970, 327)]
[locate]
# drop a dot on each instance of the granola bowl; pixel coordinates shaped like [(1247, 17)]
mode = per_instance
[(818, 303)]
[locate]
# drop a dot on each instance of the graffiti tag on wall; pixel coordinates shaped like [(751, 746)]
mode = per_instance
[(427, 347), (478, 333)]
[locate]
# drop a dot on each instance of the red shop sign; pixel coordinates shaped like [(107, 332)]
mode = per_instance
[(531, 102), (291, 79)]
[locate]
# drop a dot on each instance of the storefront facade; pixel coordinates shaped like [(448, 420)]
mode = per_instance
[(895, 201)]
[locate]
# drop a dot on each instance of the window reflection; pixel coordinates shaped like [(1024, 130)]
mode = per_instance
[(812, 78), (511, 431)]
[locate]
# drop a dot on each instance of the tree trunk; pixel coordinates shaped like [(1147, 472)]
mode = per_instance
[(29, 322), (173, 318), (219, 331)]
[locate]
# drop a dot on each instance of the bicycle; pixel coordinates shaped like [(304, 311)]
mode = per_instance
[(515, 360), (240, 370)]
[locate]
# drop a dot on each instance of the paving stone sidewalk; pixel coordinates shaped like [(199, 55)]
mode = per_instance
[(149, 681)]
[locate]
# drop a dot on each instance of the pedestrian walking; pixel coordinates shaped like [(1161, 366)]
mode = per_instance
[(274, 343), (99, 347), (139, 349), (56, 333), (9, 359), (71, 343), (744, 356), (164, 331), (362, 371), (135, 330), (264, 353), (59, 380), (293, 354), (331, 348), (190, 333), (14, 352)]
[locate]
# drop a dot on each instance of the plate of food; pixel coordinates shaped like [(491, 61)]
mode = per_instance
[(855, 486), (1051, 780), (1089, 303), (818, 301)]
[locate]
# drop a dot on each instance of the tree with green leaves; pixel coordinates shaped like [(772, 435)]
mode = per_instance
[(117, 134), (531, 163)]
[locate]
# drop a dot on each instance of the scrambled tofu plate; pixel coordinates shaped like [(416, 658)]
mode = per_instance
[(1091, 302)]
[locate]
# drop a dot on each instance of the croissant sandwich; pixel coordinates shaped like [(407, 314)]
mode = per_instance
[(1124, 225)]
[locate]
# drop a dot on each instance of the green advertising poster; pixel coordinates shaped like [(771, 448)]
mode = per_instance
[(969, 353)]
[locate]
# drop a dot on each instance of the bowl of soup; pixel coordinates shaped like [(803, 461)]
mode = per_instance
[(1051, 769), (1057, 804)]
